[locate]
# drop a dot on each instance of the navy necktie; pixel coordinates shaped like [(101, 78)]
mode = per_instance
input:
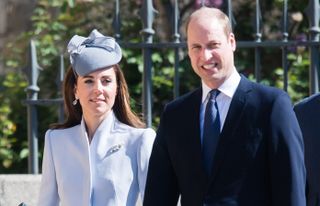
[(211, 130)]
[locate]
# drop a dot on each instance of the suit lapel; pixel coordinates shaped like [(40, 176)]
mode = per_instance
[(195, 142), (192, 128), (190, 133), (234, 116), (195, 128)]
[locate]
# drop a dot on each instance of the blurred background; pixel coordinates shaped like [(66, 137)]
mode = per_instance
[(51, 23)]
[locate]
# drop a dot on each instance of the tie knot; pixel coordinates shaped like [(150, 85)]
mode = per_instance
[(213, 94)]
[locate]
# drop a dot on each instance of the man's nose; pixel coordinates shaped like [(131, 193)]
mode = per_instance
[(206, 53)]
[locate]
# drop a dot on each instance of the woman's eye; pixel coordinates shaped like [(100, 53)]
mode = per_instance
[(106, 81), (88, 81)]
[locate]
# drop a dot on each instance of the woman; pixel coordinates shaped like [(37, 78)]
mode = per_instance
[(100, 155)]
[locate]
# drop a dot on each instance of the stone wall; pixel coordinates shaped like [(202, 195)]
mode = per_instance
[(14, 19), (15, 189)]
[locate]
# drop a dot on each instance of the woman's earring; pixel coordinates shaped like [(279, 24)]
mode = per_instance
[(74, 102)]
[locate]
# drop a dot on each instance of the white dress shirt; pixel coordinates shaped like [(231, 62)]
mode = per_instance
[(227, 90)]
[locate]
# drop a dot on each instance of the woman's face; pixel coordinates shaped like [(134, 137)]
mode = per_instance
[(97, 92)]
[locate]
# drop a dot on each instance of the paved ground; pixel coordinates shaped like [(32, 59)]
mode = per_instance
[(15, 189)]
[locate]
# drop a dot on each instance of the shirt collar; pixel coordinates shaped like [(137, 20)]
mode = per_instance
[(228, 87)]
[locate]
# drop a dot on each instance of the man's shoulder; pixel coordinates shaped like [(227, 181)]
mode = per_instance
[(261, 90), (311, 101), (186, 98)]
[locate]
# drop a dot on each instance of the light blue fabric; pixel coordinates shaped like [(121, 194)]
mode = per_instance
[(88, 54), (111, 171)]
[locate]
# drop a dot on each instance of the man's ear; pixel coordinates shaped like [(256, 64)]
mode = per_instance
[(232, 40)]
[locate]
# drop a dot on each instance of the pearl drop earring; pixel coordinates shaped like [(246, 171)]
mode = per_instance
[(74, 102)]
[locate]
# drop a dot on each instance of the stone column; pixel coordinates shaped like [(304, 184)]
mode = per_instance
[(3, 17)]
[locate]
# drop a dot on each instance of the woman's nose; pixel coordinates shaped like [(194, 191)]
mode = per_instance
[(98, 87)]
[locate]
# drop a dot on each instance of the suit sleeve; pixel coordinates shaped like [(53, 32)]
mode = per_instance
[(161, 187), (144, 152), (48, 195), (286, 155)]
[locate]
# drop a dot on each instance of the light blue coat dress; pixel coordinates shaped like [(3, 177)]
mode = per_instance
[(111, 171)]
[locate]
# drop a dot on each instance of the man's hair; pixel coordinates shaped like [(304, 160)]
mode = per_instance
[(207, 12)]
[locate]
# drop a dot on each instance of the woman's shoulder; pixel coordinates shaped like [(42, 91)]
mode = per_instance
[(127, 128), (142, 137), (148, 132), (63, 132), (133, 132)]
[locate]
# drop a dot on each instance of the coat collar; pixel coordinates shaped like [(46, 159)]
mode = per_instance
[(107, 138)]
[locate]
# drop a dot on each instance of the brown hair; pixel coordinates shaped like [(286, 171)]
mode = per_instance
[(208, 12), (121, 107)]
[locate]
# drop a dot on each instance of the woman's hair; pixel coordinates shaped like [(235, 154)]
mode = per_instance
[(121, 107)]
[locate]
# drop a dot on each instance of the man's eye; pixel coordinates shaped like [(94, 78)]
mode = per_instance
[(196, 48), (214, 45)]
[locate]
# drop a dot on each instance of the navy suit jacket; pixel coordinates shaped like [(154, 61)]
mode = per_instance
[(258, 162), (308, 113)]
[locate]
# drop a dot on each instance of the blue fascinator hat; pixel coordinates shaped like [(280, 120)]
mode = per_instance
[(88, 54)]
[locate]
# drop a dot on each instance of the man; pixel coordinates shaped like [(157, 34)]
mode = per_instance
[(308, 114), (258, 158)]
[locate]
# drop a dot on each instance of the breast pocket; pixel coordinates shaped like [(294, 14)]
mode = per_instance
[(253, 140), (247, 143)]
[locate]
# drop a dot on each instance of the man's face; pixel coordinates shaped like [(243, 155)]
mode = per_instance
[(210, 50)]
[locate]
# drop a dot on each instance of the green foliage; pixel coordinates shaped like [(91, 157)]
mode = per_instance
[(47, 33), (55, 21), (271, 29), (12, 148), (297, 75)]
